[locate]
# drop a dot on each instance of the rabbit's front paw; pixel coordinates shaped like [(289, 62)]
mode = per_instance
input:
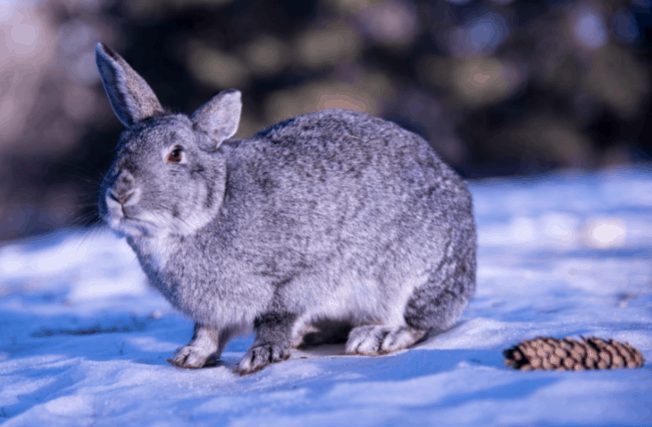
[(193, 357), (260, 356)]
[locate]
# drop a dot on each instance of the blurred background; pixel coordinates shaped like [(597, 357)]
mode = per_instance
[(498, 87)]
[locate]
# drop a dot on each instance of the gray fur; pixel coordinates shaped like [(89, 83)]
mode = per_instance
[(334, 216)]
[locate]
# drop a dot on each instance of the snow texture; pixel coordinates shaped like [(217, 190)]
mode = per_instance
[(84, 340)]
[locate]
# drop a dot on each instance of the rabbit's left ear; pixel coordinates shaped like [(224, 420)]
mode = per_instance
[(220, 116), (130, 96)]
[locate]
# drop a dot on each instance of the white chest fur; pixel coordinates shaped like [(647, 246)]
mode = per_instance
[(157, 251)]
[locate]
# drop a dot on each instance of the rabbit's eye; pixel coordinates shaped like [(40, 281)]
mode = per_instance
[(175, 156)]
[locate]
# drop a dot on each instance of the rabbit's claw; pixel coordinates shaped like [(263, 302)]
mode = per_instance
[(192, 357), (260, 356)]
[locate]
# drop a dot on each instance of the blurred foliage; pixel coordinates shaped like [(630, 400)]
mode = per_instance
[(498, 87)]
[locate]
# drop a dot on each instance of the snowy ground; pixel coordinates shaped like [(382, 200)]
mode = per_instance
[(83, 340)]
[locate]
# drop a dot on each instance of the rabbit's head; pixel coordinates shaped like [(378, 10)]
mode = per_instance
[(168, 176)]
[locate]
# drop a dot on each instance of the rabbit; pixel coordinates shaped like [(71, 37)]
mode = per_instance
[(329, 218)]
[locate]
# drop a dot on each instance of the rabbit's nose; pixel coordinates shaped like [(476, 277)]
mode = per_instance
[(121, 197), (123, 190), (124, 181)]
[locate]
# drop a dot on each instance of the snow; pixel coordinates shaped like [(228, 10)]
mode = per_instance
[(84, 340)]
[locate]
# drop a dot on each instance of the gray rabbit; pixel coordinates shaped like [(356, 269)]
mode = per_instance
[(327, 223)]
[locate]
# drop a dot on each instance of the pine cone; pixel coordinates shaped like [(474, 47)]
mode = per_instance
[(571, 354)]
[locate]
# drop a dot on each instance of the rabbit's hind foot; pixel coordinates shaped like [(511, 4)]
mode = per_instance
[(380, 339)]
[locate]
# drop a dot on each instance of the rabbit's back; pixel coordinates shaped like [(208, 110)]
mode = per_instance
[(350, 148), (343, 166)]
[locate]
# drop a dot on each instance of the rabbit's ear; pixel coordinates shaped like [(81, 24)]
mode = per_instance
[(130, 96), (220, 116)]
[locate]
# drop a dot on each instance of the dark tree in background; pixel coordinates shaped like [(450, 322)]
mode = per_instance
[(499, 87)]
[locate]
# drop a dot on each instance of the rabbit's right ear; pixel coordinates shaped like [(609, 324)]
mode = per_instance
[(130, 96)]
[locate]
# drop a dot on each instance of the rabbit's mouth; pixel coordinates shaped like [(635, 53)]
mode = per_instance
[(123, 216), (130, 226), (127, 223)]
